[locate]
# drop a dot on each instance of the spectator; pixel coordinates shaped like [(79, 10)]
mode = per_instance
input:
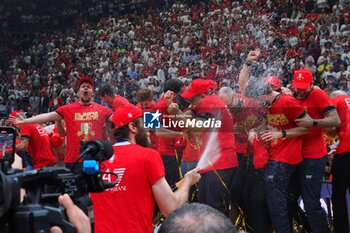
[(338, 62), (44, 102), (3, 109), (34, 101)]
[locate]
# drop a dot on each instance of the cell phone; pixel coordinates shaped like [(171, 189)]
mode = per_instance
[(7, 144)]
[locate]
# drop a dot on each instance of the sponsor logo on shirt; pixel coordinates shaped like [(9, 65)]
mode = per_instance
[(86, 130), (277, 119), (115, 176), (85, 116)]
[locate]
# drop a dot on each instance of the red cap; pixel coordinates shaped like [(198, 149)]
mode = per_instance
[(85, 79), (302, 79), (273, 81), (15, 112), (198, 86), (126, 114)]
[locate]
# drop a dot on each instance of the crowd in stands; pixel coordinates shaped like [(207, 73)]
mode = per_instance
[(185, 40)]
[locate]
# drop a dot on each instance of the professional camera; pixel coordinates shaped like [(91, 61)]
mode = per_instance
[(39, 209)]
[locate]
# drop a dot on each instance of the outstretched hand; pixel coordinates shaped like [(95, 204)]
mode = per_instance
[(17, 120)]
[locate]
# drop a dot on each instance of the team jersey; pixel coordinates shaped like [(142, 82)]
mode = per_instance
[(317, 104), (191, 153), (247, 115), (281, 115), (39, 146), (342, 104), (119, 101), (213, 106), (128, 206), (83, 123), (166, 146)]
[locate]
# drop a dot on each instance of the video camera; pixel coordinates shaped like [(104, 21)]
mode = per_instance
[(39, 210)]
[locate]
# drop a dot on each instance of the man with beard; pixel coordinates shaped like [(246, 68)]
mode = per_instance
[(139, 171), (322, 114), (84, 120)]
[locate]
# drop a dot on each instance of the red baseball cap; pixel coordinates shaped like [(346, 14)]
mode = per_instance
[(198, 86), (85, 79), (126, 114), (15, 113), (273, 80), (302, 79)]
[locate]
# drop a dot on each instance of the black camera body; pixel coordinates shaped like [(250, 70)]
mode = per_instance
[(39, 210)]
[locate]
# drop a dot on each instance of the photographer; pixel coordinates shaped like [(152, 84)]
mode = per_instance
[(75, 215), (139, 171)]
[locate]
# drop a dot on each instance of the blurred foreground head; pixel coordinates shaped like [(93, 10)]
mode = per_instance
[(197, 218)]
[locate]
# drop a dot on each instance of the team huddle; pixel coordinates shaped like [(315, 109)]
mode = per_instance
[(269, 150)]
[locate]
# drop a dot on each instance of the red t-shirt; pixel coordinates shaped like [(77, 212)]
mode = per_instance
[(247, 115), (281, 115), (152, 133), (83, 123), (191, 153), (317, 104), (128, 207), (119, 101), (293, 31), (227, 157), (39, 145), (342, 104), (166, 146)]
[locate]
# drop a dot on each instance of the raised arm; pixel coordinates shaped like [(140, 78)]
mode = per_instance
[(245, 71), (39, 119)]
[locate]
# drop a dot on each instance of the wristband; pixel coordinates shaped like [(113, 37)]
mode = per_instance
[(284, 133), (315, 123)]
